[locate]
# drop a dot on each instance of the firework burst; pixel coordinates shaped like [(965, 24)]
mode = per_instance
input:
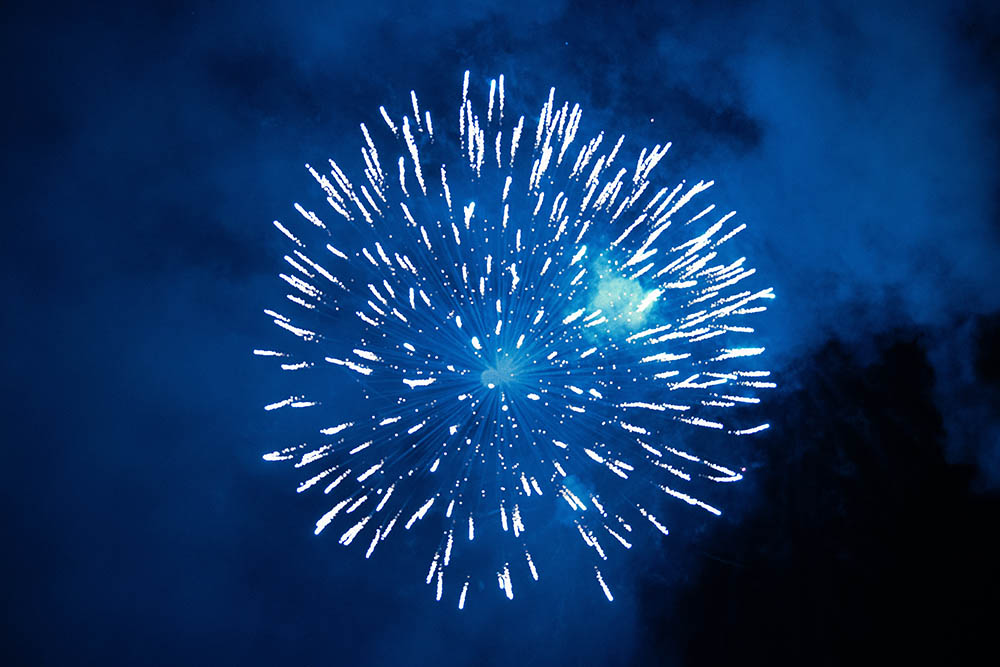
[(521, 322)]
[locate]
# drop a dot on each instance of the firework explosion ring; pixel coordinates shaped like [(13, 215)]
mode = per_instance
[(527, 323)]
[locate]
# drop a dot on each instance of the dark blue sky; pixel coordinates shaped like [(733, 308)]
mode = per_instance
[(147, 149)]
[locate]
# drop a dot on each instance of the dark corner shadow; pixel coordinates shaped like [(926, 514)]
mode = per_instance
[(864, 544)]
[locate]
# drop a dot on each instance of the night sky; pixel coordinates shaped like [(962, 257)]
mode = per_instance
[(148, 147)]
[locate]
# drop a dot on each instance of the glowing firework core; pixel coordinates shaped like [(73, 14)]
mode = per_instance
[(499, 375)]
